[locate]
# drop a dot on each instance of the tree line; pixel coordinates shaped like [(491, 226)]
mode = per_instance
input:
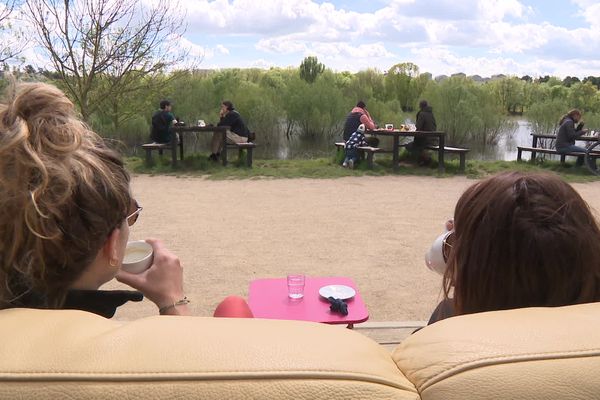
[(116, 60)]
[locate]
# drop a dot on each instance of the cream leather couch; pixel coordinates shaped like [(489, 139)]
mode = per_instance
[(521, 354)]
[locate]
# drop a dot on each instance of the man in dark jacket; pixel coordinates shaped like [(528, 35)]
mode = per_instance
[(425, 122), (237, 133), (161, 123)]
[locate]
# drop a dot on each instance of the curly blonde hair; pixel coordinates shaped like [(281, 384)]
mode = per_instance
[(62, 192)]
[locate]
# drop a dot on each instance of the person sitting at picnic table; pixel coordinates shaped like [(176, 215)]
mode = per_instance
[(162, 120), (237, 133), (425, 122), (66, 211), (351, 146), (359, 115), (520, 240), (568, 133)]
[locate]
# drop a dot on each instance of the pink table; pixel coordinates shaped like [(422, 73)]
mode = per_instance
[(268, 299)]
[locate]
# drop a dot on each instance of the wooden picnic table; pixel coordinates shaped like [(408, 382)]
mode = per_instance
[(396, 134), (183, 130), (537, 136)]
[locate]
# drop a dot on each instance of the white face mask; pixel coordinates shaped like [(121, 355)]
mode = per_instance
[(437, 256)]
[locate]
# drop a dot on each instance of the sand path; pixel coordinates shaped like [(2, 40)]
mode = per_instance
[(373, 229)]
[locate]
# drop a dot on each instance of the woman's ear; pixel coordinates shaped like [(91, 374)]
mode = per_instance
[(111, 247)]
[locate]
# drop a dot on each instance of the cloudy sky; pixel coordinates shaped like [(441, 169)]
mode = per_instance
[(485, 37)]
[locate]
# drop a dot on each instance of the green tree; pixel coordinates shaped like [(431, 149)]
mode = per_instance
[(310, 69), (398, 85), (511, 94)]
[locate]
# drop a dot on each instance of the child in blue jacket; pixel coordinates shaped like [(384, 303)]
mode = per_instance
[(356, 139)]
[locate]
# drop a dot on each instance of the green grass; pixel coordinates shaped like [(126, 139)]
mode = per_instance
[(321, 168)]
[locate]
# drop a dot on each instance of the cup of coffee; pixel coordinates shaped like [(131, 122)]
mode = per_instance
[(138, 257), (389, 127), (437, 256), (201, 123)]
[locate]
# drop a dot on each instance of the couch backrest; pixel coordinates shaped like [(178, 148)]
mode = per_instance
[(73, 354), (532, 353)]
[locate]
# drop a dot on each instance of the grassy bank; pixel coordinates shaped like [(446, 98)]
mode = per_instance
[(330, 168)]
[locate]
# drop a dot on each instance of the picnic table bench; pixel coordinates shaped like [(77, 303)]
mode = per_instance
[(248, 147), (368, 150), (535, 148), (160, 147), (177, 140), (396, 134), (460, 151)]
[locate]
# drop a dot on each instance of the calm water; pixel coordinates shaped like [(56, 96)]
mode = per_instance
[(506, 149)]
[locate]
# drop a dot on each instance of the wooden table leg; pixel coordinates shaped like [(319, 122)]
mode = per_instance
[(396, 153), (441, 166), (534, 145), (224, 151), (181, 146), (173, 149)]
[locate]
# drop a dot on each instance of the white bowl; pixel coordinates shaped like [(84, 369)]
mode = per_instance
[(138, 257)]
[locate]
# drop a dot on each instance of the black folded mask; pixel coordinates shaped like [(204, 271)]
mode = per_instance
[(338, 305)]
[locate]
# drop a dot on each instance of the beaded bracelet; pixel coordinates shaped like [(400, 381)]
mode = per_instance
[(181, 302)]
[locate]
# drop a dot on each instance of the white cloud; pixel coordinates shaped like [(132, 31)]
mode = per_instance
[(441, 36), (221, 49), (261, 63), (442, 59)]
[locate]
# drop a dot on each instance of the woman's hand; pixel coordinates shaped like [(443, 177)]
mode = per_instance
[(162, 283)]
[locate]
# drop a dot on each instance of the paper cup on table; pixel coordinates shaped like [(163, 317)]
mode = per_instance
[(389, 127), (138, 257)]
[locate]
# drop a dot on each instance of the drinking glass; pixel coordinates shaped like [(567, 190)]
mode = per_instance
[(295, 284)]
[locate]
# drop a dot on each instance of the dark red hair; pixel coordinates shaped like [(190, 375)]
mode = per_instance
[(522, 240)]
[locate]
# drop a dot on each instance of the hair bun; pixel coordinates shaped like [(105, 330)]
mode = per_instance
[(34, 100), (43, 116)]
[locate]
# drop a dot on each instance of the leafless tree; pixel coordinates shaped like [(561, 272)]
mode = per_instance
[(11, 43), (103, 49)]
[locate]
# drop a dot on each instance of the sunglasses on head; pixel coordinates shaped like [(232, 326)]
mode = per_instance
[(133, 217)]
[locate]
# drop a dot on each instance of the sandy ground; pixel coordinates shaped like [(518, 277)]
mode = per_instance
[(372, 229)]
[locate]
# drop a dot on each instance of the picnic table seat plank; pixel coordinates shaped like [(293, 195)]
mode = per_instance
[(160, 147), (368, 150), (248, 146), (461, 151), (534, 150)]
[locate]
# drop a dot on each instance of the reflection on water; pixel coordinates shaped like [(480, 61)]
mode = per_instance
[(506, 149)]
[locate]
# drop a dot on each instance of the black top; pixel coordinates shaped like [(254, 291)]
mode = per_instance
[(236, 124), (351, 124), (426, 120), (101, 302), (161, 122)]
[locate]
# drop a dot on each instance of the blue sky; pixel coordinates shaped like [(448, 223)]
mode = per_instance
[(485, 37)]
